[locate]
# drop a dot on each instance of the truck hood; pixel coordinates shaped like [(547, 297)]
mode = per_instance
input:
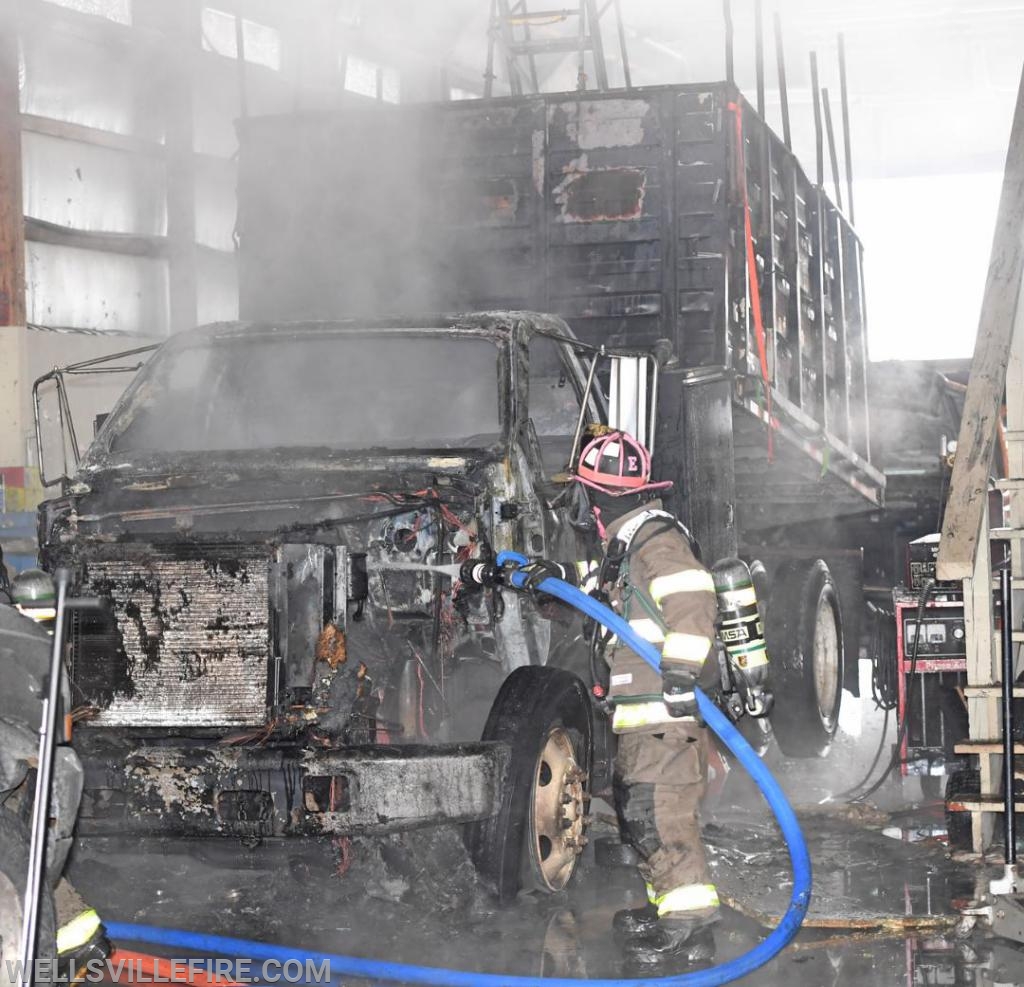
[(245, 495)]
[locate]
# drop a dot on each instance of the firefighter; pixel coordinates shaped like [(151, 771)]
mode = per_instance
[(653, 578), (35, 596)]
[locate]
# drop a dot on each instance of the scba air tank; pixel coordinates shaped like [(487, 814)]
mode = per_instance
[(740, 628)]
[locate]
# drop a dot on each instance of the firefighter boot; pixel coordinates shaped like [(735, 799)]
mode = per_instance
[(631, 922), (676, 940), (80, 941)]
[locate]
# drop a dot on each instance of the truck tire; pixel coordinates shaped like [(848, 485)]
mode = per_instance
[(804, 633), (533, 842), (13, 876)]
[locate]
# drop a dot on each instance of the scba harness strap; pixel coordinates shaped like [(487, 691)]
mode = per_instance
[(612, 573), (618, 548)]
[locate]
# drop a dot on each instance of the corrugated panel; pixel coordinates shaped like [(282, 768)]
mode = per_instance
[(195, 642), (92, 188), (89, 289)]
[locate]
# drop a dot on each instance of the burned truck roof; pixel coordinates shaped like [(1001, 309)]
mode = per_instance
[(430, 384)]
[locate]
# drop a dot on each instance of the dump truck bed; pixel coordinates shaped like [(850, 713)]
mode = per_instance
[(623, 212)]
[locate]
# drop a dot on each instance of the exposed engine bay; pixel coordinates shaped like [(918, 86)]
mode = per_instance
[(287, 645)]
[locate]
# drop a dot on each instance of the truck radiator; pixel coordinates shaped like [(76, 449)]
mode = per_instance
[(185, 642)]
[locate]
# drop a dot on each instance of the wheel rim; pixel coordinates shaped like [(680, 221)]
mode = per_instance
[(10, 926), (826, 659), (558, 818)]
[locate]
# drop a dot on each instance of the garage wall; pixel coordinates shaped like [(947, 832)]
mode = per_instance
[(117, 171)]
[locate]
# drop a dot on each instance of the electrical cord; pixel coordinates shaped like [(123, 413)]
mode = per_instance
[(901, 733), (884, 685)]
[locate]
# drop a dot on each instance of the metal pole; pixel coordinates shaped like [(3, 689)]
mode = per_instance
[(833, 156), (819, 149), (578, 434), (581, 72), (759, 55), (845, 100), (243, 88), (1010, 821), (622, 45), (489, 67), (44, 773), (597, 45), (780, 61), (532, 58), (727, 11)]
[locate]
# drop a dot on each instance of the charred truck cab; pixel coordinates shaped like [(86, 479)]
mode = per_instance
[(276, 515)]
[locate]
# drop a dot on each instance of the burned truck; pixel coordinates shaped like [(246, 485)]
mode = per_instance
[(277, 516), (666, 213)]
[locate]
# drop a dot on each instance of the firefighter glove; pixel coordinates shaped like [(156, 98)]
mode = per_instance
[(538, 570), (678, 687)]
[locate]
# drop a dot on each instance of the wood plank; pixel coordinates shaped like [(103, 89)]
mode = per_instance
[(985, 747), (984, 803), (994, 691), (1006, 534), (12, 230), (968, 491)]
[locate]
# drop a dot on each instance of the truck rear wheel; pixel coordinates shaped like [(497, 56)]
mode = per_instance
[(535, 839), (804, 632)]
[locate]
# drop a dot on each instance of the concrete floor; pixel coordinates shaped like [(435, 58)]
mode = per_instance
[(415, 897)]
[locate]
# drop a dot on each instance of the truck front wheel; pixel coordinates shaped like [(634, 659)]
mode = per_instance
[(804, 633), (534, 841)]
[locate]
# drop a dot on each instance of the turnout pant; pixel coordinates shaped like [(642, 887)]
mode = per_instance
[(659, 781)]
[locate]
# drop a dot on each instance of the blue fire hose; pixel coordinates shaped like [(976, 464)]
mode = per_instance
[(353, 966)]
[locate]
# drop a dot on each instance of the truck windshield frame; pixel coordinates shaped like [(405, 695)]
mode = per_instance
[(262, 390)]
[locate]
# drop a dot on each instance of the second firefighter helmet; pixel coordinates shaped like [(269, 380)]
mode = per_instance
[(616, 464), (34, 594)]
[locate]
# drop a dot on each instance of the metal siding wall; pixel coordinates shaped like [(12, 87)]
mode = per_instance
[(104, 90), (86, 187), (68, 286)]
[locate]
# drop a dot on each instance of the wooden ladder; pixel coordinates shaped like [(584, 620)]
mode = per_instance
[(964, 550), (984, 680)]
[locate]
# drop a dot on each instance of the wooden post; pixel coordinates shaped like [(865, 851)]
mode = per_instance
[(968, 488), (12, 219)]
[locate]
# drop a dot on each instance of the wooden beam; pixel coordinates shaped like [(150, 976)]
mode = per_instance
[(12, 230), (968, 488)]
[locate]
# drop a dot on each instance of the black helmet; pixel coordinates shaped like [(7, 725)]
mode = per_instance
[(34, 594)]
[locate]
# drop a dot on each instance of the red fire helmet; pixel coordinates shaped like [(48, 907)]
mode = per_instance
[(616, 464)]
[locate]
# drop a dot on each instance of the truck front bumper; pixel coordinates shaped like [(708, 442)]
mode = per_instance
[(255, 792)]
